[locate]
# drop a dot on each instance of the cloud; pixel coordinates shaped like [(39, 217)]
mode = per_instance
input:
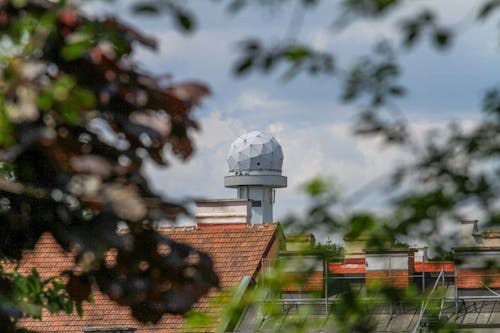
[(328, 149), (313, 128), (216, 131), (259, 101), (202, 175)]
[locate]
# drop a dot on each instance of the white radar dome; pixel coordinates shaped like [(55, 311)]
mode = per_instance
[(255, 153)]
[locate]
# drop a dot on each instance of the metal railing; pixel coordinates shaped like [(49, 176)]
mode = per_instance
[(457, 283)]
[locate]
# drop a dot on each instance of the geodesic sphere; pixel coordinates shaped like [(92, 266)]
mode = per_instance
[(255, 151)]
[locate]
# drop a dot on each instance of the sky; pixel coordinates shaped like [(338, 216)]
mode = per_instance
[(306, 116)]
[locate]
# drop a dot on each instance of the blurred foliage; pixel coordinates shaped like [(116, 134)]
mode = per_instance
[(297, 57), (331, 250), (29, 295), (184, 19), (78, 119)]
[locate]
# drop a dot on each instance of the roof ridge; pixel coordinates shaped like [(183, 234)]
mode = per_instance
[(183, 227), (263, 225)]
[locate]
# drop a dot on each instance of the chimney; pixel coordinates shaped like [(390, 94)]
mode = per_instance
[(469, 233), (223, 211)]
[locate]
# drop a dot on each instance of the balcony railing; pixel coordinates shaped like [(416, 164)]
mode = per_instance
[(461, 288)]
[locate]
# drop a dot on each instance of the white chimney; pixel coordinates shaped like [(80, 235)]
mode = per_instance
[(223, 211)]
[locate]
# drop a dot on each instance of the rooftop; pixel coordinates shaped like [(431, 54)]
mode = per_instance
[(236, 251)]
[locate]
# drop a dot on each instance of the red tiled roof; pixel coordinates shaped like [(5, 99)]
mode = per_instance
[(236, 251)]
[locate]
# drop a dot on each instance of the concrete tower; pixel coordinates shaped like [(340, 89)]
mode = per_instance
[(255, 160)]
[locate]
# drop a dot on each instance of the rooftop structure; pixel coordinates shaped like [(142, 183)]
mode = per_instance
[(243, 243), (255, 163), (462, 288), (467, 294), (236, 249)]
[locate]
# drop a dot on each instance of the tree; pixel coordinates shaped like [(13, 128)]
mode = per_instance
[(89, 134), (77, 121)]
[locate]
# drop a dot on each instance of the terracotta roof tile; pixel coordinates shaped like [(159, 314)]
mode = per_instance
[(236, 251)]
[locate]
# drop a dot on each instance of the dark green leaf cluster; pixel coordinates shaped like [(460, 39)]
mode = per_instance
[(297, 57), (332, 251), (183, 18), (374, 77), (235, 6), (78, 119), (28, 295), (425, 21), (370, 8)]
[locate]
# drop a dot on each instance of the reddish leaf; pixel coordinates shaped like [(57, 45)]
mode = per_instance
[(190, 92)]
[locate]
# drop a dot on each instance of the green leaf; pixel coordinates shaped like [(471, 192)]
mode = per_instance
[(442, 38), (184, 21), (75, 50), (316, 187), (243, 66), (19, 3), (397, 90), (487, 8), (84, 98), (6, 130), (45, 101), (297, 52), (70, 113), (61, 89), (79, 308), (145, 8)]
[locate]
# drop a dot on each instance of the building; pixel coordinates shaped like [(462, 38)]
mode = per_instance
[(463, 288), (255, 160), (241, 238), (236, 247)]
